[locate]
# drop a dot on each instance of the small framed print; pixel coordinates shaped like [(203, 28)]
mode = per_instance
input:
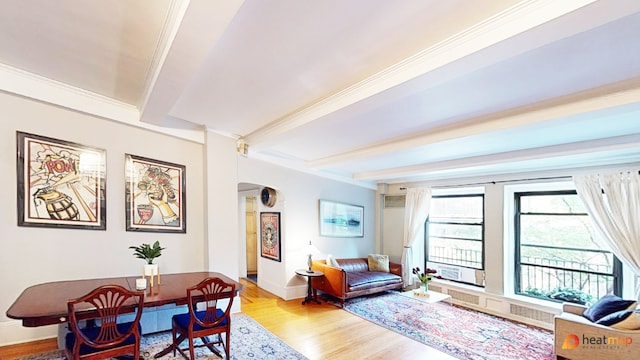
[(61, 184), (155, 195), (341, 220), (270, 235)]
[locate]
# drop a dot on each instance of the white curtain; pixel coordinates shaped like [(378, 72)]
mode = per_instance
[(613, 203), (416, 210)]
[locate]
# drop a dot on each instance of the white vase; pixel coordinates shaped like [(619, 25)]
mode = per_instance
[(150, 269), (426, 287)]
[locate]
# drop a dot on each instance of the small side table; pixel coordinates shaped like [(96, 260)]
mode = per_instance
[(310, 295)]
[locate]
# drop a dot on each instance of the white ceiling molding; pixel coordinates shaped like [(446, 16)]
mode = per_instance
[(170, 28), (517, 19), (547, 176), (479, 126), (188, 43), (40, 88), (60, 94), (549, 152)]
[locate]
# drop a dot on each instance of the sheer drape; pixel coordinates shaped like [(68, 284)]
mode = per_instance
[(416, 210), (613, 203)]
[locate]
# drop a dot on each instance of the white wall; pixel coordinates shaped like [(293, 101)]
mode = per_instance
[(30, 256), (298, 195)]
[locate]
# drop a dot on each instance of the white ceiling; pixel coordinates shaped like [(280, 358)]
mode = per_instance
[(366, 90)]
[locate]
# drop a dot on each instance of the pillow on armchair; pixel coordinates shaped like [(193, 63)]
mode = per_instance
[(608, 305), (623, 320)]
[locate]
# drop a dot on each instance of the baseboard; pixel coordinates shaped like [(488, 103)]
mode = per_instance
[(296, 292), (12, 332)]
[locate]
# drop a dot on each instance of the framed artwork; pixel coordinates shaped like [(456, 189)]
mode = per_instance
[(61, 184), (341, 220), (270, 235), (155, 195)]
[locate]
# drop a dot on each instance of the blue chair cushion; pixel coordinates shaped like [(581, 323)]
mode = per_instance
[(92, 333), (183, 320)]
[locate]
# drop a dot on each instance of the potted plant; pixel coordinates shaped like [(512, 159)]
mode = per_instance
[(147, 253), (425, 277)]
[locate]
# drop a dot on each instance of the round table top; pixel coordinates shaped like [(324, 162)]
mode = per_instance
[(313, 273)]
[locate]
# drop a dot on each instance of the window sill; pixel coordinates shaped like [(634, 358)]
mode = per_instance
[(462, 286), (548, 306), (537, 302)]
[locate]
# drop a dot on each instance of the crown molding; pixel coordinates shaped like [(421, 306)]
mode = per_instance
[(548, 152), (16, 81), (542, 112), (517, 19), (172, 22), (29, 85)]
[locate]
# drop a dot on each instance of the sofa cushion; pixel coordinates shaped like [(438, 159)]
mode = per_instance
[(378, 262), (608, 304), (624, 320), (369, 277), (331, 261)]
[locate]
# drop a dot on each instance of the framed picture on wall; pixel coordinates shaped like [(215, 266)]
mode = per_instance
[(61, 184), (270, 235), (155, 195), (341, 220)]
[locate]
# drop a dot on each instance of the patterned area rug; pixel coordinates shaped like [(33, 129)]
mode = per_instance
[(457, 331), (249, 340)]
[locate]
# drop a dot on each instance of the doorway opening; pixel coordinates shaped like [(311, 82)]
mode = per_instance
[(251, 236)]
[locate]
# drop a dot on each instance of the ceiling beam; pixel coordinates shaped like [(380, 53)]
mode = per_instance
[(466, 164), (191, 32), (515, 20), (543, 112)]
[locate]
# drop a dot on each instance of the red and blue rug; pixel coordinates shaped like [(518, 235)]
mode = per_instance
[(249, 340), (457, 331)]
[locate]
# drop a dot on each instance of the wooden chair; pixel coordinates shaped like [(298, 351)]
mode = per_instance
[(212, 320), (107, 334)]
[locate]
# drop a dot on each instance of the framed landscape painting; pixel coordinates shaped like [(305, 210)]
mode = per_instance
[(155, 195), (270, 235), (341, 220), (61, 184)]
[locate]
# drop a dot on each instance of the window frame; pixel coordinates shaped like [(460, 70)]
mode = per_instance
[(617, 268), (482, 232)]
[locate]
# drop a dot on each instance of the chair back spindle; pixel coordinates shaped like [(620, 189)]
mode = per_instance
[(104, 307)]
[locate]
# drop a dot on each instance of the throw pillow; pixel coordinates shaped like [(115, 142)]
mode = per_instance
[(608, 304), (624, 320), (378, 262), (331, 261)]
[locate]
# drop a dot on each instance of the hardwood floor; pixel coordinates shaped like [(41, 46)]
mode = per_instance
[(317, 331)]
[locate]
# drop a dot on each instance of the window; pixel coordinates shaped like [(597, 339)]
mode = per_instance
[(454, 237), (558, 255)]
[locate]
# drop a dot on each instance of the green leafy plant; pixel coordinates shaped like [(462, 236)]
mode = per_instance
[(147, 252), (426, 276), (562, 294)]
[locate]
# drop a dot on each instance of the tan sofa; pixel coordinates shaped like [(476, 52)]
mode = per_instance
[(591, 336), (353, 278)]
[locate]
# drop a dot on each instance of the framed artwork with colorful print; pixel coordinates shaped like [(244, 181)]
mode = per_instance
[(155, 195), (270, 235), (61, 184)]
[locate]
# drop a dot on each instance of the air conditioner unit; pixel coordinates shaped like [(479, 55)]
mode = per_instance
[(458, 273)]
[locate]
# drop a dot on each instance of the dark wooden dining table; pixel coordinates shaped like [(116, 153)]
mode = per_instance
[(46, 304)]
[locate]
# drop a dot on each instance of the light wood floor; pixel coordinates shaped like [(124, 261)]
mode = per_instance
[(317, 331)]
